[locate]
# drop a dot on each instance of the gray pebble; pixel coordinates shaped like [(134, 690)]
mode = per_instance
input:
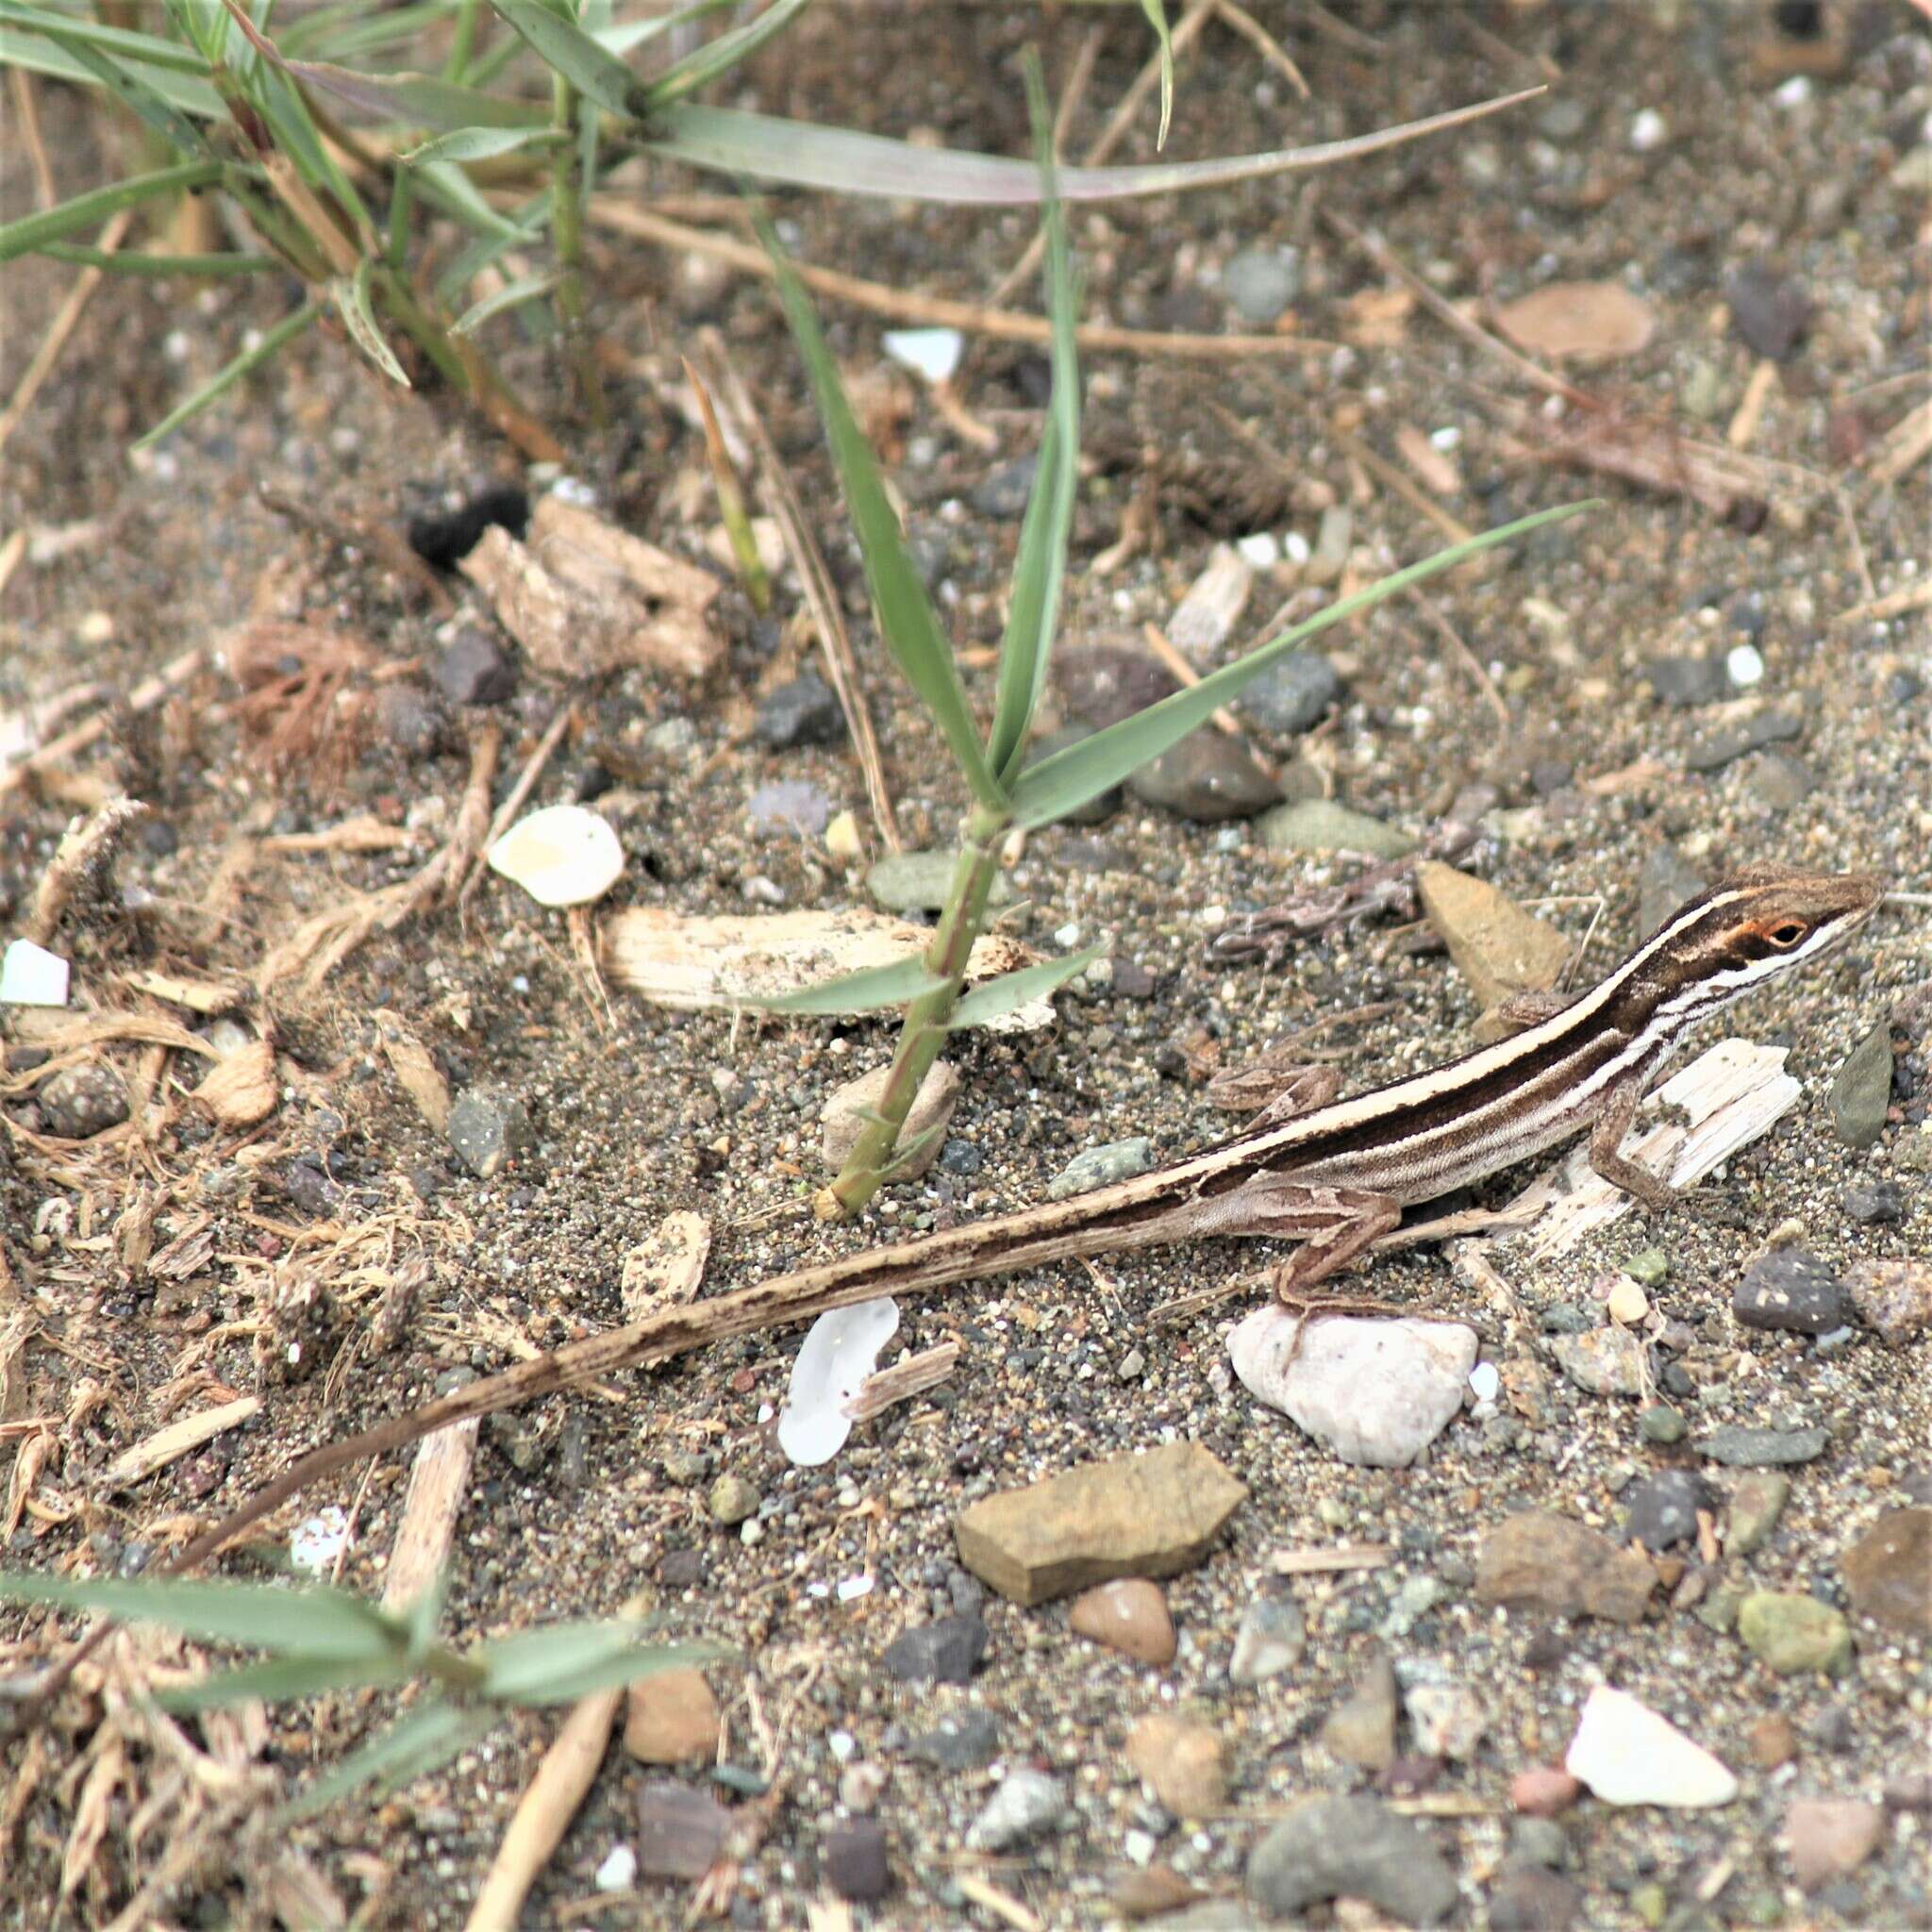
[(1207, 777), (1270, 1638), (1099, 1167), (1336, 1847), (789, 806), (1661, 1510), (1261, 282), (1791, 1289), (1027, 1803), (1861, 1092), (1003, 491), (804, 711), (84, 1101), (1744, 1448), (475, 669), (1293, 695), (489, 1126)]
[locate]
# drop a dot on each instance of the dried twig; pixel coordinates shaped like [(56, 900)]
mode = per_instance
[(48, 354), (822, 598), (143, 698), (1270, 50), (81, 859)]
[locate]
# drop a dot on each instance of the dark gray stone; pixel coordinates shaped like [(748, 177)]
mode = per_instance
[(84, 1101), (1208, 776), (680, 1832), (855, 1861), (946, 1651), (806, 712), (1741, 1448), (1666, 880), (1688, 681), (1003, 491), (489, 1126), (1528, 1899), (1331, 1847), (1881, 1204), (475, 669), (1722, 747), (1294, 694), (962, 1742), (1769, 312), (1862, 1090), (1793, 1289), (1661, 1510)]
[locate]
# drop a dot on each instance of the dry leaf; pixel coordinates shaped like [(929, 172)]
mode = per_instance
[(240, 1091), (584, 597), (415, 1069), (1377, 318), (1595, 321), (1437, 470)]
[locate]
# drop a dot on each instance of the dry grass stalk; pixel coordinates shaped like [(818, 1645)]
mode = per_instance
[(150, 692), (169, 1444), (439, 1486), (81, 860)]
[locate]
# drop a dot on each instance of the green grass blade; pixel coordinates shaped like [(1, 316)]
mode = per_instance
[(564, 47), (864, 991), (1068, 779), (285, 1677), (350, 294), (90, 209), (524, 225), (511, 295), (423, 100), (410, 1748), (1040, 566), (224, 380), (561, 1661), (34, 53), (719, 55), (205, 267), (314, 1623), (906, 615), (144, 101), (477, 145), (995, 998), (151, 50), (1156, 19)]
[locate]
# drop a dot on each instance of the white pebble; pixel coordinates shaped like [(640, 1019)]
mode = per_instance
[(852, 1588), (618, 1871), (1628, 1755), (933, 352), (1744, 665), (1486, 1380), (1068, 937), (1794, 92), (1626, 1303), (1262, 550), (561, 856), (1648, 131), (32, 976), (314, 1545)]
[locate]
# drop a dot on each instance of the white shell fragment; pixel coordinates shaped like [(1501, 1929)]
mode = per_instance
[(1628, 1755), (561, 856), (839, 1353), (32, 976), (315, 1544), (933, 352)]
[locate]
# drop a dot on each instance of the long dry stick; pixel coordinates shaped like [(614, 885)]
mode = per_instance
[(48, 354)]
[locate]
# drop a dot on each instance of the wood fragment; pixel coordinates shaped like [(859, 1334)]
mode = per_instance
[(1743, 431), (903, 1379), (666, 1268), (1317, 1561), (439, 1486), (415, 1068), (1002, 1904), (204, 996), (169, 1444), (81, 859)]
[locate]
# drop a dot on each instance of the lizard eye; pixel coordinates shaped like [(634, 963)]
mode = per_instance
[(1786, 935)]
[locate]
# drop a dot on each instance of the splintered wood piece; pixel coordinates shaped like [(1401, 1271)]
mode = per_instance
[(416, 1070), (1729, 1096), (166, 1445), (667, 1267), (1317, 1562), (688, 961), (439, 1483), (912, 1376)]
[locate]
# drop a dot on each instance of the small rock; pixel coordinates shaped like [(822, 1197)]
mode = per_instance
[(788, 805), (1270, 1640), (1150, 1515), (1528, 1899), (1329, 558), (1418, 1596), (1665, 880), (489, 1128), (1893, 1297), (411, 720), (1360, 1730), (1626, 1303), (1757, 1504), (1881, 1204), (1185, 1764), (854, 1860), (1661, 1510), (1772, 1740), (1604, 1361), (1769, 312), (1887, 1571), (1100, 1167), (1098, 809), (1101, 684), (565, 855), (1027, 1803), (1662, 1425), (1732, 742), (963, 1740), (910, 882), (680, 1832), (672, 1718), (1648, 1267), (1628, 1755), (1684, 682), (1911, 1153), (1496, 946), (1129, 1615), (1742, 1448), (732, 1500), (1546, 1561), (1792, 1633), (804, 711), (1447, 1720), (1790, 1288), (1339, 1848), (1319, 825), (1828, 1837), (1780, 782), (1205, 779), (946, 1651), (1544, 1790), (84, 1101), (843, 1118), (1213, 605), (1261, 282), (1003, 491), (1153, 1893), (1375, 1392), (475, 669), (1293, 695), (619, 1871)]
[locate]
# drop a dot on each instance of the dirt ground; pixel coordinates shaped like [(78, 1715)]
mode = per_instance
[(1680, 146)]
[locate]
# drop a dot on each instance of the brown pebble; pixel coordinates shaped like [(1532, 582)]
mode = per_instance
[(1829, 1837), (673, 1718), (1184, 1763), (1129, 1615), (1544, 1790), (1772, 1740), (1148, 1894)]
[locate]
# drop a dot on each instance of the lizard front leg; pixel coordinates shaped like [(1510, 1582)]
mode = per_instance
[(1607, 1136)]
